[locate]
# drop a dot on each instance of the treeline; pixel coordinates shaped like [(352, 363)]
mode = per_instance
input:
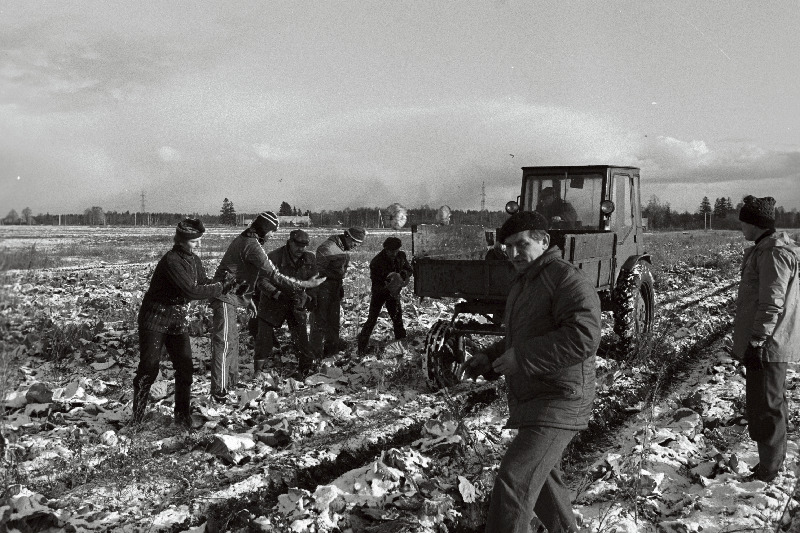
[(371, 217), (722, 214)]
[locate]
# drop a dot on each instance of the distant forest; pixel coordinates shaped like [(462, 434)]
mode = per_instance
[(720, 214)]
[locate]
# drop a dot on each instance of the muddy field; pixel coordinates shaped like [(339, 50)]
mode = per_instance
[(364, 445)]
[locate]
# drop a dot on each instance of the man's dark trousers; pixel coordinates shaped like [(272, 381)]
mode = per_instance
[(529, 480), (767, 414), (325, 318), (395, 309), (179, 350), (264, 341)]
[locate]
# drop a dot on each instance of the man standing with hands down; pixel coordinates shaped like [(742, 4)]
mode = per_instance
[(246, 260), (766, 329), (552, 320)]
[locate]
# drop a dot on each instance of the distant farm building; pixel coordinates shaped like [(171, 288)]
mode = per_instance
[(299, 220)]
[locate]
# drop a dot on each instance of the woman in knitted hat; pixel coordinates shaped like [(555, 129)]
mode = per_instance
[(163, 319)]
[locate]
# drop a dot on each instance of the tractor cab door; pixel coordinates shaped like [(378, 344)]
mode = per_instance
[(626, 220)]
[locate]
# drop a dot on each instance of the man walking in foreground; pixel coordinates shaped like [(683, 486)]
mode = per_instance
[(246, 260), (286, 303), (552, 320), (333, 258), (389, 272), (765, 330)]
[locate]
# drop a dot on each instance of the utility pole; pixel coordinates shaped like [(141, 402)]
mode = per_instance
[(483, 196)]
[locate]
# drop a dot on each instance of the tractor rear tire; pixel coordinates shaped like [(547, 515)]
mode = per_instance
[(442, 356), (634, 305)]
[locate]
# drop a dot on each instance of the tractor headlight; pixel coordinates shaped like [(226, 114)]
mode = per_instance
[(512, 207), (607, 207)]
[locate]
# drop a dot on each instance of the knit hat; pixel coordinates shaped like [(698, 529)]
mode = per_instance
[(758, 211), (299, 236), (265, 222), (356, 233), (521, 221), (189, 228), (392, 243)]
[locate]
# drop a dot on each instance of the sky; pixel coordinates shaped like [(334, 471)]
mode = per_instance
[(336, 104)]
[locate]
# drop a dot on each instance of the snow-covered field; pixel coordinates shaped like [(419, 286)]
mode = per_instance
[(364, 445)]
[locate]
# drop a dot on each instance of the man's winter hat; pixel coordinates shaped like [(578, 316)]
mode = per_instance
[(521, 221), (758, 211), (265, 222), (392, 243), (299, 236), (190, 228), (356, 233)]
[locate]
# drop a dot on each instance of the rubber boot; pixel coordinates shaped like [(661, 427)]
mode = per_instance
[(139, 403), (363, 343), (258, 365)]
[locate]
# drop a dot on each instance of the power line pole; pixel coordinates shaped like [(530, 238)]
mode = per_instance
[(483, 196), (143, 211)]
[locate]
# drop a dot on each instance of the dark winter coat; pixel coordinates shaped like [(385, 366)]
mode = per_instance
[(291, 299), (553, 323), (768, 303), (382, 265), (179, 278), (332, 258)]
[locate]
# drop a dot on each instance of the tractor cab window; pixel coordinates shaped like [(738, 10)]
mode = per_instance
[(568, 202)]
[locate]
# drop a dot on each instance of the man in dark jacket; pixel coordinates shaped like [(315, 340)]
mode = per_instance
[(552, 323), (246, 260), (333, 258), (766, 330), (389, 272), (286, 303), (163, 319)]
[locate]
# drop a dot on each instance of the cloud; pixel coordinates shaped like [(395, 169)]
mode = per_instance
[(169, 154)]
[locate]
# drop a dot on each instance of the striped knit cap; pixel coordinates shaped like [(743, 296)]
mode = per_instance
[(265, 222)]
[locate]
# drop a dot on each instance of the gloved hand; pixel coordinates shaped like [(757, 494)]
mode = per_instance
[(753, 358), (310, 303), (394, 284), (229, 283), (242, 288)]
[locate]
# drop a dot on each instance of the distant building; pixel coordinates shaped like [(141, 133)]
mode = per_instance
[(300, 220)]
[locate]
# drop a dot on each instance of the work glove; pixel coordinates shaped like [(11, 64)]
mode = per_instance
[(241, 288), (394, 284), (229, 283), (753, 358)]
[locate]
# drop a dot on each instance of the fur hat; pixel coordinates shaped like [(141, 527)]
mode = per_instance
[(189, 228), (299, 236), (356, 233), (521, 221), (392, 243), (265, 222), (758, 211)]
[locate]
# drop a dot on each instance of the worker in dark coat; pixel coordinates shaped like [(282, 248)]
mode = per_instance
[(281, 302), (163, 319), (246, 259), (552, 319), (389, 272), (333, 258), (766, 330)]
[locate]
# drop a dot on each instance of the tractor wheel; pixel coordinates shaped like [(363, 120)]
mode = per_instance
[(634, 304), (444, 353)]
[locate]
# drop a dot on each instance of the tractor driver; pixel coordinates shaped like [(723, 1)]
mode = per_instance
[(554, 208)]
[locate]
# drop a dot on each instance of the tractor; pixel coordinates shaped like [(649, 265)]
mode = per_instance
[(595, 220)]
